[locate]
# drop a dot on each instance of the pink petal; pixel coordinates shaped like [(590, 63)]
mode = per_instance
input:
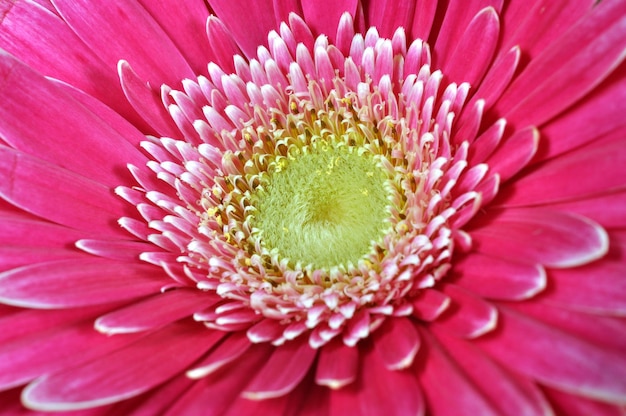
[(66, 133), (470, 60), (28, 357), (23, 230), (498, 77), (114, 249), (378, 391), (574, 65), (146, 101), (583, 123), (457, 19), (60, 54), (388, 15), (557, 359), (232, 348), (222, 44), (570, 404), (397, 342), (498, 278), (121, 374), (446, 388), (609, 210), (12, 256), (54, 284), (536, 26), (430, 304), (154, 312), (337, 365), (514, 153), (533, 235), (423, 19), (249, 21), (509, 393), (20, 323), (591, 170), (468, 316), (214, 394), (604, 293), (150, 51), (184, 24), (283, 371), (323, 17), (59, 195), (606, 331)]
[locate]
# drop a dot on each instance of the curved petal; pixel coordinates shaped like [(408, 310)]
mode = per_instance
[(557, 359), (540, 236), (104, 28), (65, 133), (121, 374), (498, 278), (54, 284), (59, 195), (283, 371)]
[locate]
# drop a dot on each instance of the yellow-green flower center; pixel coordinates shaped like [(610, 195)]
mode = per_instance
[(324, 206)]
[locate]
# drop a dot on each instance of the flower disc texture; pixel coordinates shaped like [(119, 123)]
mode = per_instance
[(305, 208)]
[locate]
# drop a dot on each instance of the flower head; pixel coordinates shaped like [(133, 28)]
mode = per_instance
[(372, 208)]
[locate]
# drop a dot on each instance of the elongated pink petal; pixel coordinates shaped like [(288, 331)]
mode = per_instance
[(184, 23), (154, 312), (597, 43), (514, 153), (214, 394), (52, 284), (59, 195), (12, 256), (121, 374), (27, 358), (498, 278), (82, 142), (607, 331), (146, 101), (233, 347), (591, 170), (509, 393), (604, 293), (151, 52), (468, 315), (470, 59), (533, 235), (423, 18), (557, 359), (541, 23), (457, 19), (323, 18), (388, 15), (430, 304), (114, 249), (582, 123), (60, 54), (283, 371), (371, 394), (249, 21), (397, 342), (222, 44), (609, 210), (337, 365), (446, 388), (570, 404)]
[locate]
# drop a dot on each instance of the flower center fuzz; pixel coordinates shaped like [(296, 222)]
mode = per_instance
[(324, 207)]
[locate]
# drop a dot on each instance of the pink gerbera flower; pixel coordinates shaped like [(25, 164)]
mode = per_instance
[(257, 207)]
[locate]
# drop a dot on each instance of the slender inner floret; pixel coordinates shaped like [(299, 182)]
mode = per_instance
[(323, 206)]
